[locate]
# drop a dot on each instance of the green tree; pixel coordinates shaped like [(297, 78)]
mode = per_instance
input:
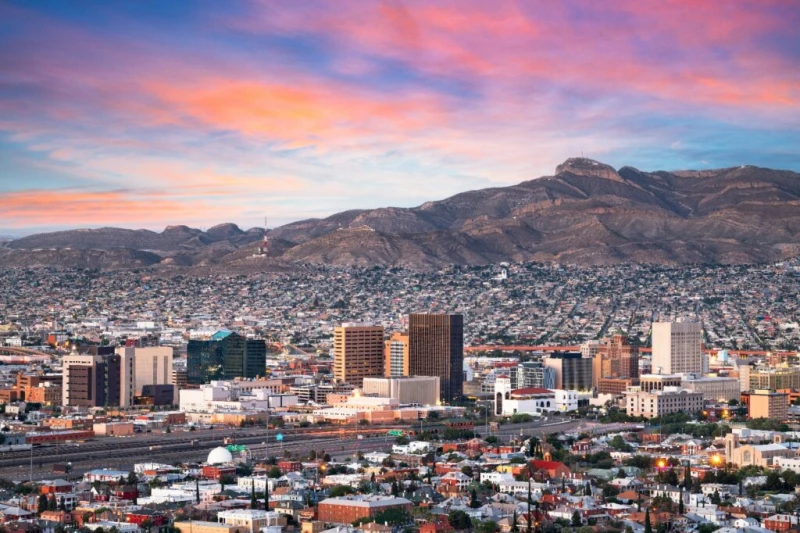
[(576, 519), (648, 527), (274, 472), (394, 517), (459, 520), (41, 504), (488, 526), (133, 479), (473, 499), (341, 490)]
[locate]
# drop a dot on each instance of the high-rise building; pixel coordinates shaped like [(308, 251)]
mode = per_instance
[(677, 347), (534, 374), (91, 380), (396, 351), (572, 371), (616, 358), (436, 348), (151, 366), (144, 366), (357, 353), (226, 355), (768, 404)]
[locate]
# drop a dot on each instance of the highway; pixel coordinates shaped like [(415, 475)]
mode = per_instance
[(123, 453)]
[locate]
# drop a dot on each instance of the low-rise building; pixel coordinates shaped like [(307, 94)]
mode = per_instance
[(662, 402), (714, 389), (348, 509)]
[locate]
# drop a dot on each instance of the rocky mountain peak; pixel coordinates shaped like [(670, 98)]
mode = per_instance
[(583, 166), (225, 230)]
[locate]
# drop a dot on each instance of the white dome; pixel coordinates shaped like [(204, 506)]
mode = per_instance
[(219, 456)]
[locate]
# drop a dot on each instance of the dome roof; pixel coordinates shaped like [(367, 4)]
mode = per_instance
[(219, 456)]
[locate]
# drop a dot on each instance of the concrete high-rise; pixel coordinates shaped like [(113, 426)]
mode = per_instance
[(151, 366), (358, 352), (396, 352), (436, 348), (92, 381), (677, 347)]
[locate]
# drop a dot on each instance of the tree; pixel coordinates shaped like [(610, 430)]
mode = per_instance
[(488, 526), (681, 509), (576, 519), (42, 504), (514, 526), (459, 520), (621, 474), (467, 470), (687, 476), (394, 517), (274, 472), (133, 479), (253, 501), (341, 490), (395, 488), (473, 499), (648, 527)]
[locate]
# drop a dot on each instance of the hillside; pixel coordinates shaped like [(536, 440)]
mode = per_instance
[(586, 213)]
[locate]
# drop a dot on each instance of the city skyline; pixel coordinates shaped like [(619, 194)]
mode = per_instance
[(145, 115)]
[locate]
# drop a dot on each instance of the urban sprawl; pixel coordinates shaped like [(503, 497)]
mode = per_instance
[(506, 398)]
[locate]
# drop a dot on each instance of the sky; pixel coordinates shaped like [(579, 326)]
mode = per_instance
[(150, 113)]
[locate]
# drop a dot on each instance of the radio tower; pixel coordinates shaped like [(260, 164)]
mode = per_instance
[(264, 250)]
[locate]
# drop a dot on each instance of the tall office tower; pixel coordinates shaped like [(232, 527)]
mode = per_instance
[(91, 380), (572, 371), (677, 347), (357, 353), (436, 348), (396, 352), (616, 358), (203, 361), (150, 366), (533, 374), (226, 355)]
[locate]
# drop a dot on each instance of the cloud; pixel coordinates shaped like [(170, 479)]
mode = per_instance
[(313, 107)]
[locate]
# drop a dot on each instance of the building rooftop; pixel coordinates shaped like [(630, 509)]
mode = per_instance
[(366, 501)]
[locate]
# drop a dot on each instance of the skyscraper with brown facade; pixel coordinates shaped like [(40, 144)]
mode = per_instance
[(357, 353), (436, 348), (616, 358)]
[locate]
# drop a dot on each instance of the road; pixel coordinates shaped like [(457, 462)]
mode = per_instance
[(170, 448)]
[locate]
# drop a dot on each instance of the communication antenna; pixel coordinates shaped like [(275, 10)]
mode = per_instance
[(265, 241)]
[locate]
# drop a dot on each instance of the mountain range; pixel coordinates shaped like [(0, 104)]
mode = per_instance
[(586, 213)]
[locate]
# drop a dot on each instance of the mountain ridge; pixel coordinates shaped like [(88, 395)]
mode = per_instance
[(587, 212)]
